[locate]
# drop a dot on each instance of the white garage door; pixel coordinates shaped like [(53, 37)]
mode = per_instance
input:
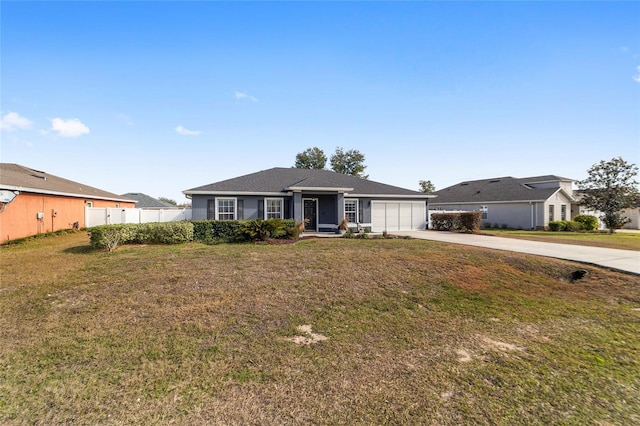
[(397, 216)]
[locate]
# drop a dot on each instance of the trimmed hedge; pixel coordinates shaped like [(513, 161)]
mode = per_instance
[(565, 226), (111, 236), (462, 221), (236, 231)]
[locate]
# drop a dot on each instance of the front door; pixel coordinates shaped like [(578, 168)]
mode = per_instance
[(310, 215)]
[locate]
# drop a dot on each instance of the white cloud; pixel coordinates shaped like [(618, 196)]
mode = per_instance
[(637, 76), (13, 120), (71, 128), (184, 131), (243, 96)]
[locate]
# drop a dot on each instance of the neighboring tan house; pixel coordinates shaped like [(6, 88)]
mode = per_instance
[(529, 203), (144, 201), (320, 198), (34, 202)]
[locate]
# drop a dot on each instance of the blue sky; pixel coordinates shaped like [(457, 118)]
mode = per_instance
[(159, 97)]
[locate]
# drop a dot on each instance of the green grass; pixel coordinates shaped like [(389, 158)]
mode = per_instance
[(417, 332), (619, 240)]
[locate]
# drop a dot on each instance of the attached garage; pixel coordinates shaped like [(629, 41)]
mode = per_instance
[(397, 215)]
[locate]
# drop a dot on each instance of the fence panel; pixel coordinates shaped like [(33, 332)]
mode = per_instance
[(95, 216)]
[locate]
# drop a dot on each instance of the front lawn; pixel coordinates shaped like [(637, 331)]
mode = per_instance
[(324, 331)]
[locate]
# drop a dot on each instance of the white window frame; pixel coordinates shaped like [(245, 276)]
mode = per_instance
[(485, 212), (266, 212), (235, 207), (350, 200), (552, 212), (563, 212)]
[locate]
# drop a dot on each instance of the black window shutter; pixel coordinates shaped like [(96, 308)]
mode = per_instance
[(287, 208), (260, 208), (211, 209), (360, 210), (240, 215)]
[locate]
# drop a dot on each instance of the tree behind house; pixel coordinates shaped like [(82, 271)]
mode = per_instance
[(349, 162), (311, 158), (610, 188)]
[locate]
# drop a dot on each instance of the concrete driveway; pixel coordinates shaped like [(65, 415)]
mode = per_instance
[(624, 260)]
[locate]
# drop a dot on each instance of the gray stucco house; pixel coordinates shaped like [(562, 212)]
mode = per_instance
[(520, 203), (320, 198)]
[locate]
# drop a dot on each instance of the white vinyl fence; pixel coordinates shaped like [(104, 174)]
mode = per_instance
[(95, 216)]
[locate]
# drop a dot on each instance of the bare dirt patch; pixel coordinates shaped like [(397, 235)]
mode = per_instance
[(308, 337)]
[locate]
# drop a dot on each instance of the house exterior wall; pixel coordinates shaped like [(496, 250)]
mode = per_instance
[(514, 215), (20, 218)]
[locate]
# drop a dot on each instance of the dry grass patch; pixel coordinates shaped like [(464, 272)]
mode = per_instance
[(417, 332)]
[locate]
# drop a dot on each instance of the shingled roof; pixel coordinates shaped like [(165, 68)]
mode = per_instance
[(502, 189), (15, 177), (147, 201), (282, 180)]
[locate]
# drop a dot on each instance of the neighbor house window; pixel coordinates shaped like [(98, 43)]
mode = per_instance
[(89, 203), (225, 208), (551, 218), (273, 208), (351, 210), (485, 212), (563, 212)]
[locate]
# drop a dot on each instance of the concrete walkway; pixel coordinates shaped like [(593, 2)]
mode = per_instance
[(624, 260)]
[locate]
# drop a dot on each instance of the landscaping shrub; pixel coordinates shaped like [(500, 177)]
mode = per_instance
[(109, 237), (590, 223), (565, 225), (444, 221), (573, 226), (164, 233), (462, 221), (215, 231), (470, 221), (556, 225)]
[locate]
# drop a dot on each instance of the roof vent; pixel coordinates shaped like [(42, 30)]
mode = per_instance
[(494, 181), (464, 183), (40, 176)]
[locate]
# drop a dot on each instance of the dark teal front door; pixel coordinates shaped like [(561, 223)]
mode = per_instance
[(310, 215)]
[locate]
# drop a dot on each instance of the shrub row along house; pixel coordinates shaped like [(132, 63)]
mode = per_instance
[(320, 198)]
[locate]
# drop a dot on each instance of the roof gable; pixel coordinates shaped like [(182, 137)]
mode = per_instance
[(20, 178), (282, 180)]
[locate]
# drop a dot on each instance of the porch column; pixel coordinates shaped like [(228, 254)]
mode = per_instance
[(340, 207), (297, 207)]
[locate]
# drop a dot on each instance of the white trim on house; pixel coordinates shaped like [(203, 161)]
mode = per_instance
[(317, 189), (390, 196), (357, 210), (235, 207), (226, 193), (272, 199), (64, 194)]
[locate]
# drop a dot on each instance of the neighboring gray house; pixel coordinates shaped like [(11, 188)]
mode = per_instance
[(144, 201), (320, 198), (529, 203)]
